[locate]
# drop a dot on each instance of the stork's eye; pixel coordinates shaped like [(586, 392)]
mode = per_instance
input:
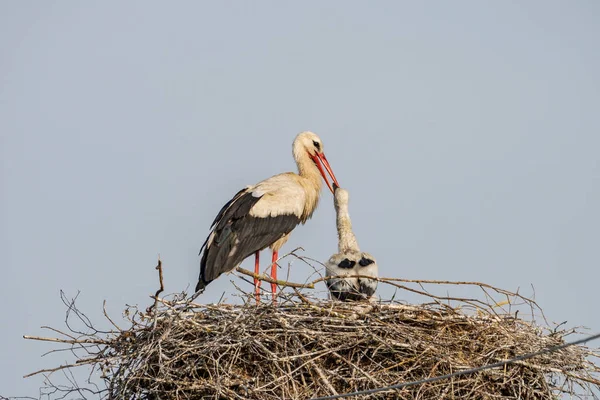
[(317, 145), (365, 261), (346, 263)]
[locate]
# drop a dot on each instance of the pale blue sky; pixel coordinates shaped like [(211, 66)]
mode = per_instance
[(468, 135)]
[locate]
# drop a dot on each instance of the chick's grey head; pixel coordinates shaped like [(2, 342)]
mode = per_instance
[(348, 264)]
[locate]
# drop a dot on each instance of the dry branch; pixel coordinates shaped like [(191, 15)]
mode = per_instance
[(159, 291)]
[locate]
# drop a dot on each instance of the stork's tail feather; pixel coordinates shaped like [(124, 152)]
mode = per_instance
[(197, 293), (200, 286), (202, 281)]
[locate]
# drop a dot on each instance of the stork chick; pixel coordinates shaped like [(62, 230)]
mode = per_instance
[(349, 260)]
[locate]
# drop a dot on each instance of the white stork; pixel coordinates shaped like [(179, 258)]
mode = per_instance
[(349, 260), (263, 215)]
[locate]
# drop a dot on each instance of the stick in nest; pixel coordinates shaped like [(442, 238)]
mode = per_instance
[(160, 290)]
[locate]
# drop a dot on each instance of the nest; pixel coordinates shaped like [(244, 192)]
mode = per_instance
[(304, 348)]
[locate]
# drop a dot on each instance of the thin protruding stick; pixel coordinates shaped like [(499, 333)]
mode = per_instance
[(266, 278), (77, 364), (68, 341), (162, 286)]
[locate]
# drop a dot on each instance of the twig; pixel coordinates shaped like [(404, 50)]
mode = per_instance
[(160, 290), (68, 341), (266, 278), (77, 364), (108, 318)]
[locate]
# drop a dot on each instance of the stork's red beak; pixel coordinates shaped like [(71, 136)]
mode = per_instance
[(321, 161)]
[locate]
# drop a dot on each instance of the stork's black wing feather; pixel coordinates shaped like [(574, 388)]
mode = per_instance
[(224, 209), (227, 212), (238, 235)]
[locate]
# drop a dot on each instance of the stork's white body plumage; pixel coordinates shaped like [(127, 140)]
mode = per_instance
[(285, 194), (349, 260), (263, 215)]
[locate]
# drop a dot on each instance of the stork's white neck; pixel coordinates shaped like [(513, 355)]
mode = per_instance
[(309, 178), (346, 239), (306, 166)]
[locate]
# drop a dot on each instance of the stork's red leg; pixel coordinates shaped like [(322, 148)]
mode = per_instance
[(274, 274), (256, 280)]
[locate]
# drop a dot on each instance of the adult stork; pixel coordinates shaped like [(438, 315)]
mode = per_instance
[(349, 260), (263, 215)]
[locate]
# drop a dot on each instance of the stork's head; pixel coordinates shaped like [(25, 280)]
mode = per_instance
[(310, 144)]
